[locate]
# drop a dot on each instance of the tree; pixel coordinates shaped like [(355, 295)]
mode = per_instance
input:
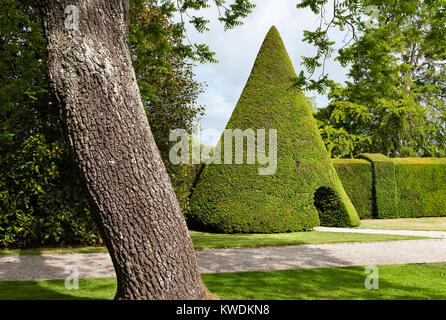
[(41, 199), (166, 80), (92, 78), (394, 100)]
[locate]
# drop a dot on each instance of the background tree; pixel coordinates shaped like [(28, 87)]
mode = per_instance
[(41, 198), (169, 92), (394, 100)]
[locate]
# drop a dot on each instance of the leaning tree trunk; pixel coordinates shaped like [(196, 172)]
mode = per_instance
[(92, 77)]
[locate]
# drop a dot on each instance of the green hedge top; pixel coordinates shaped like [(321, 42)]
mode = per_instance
[(420, 161), (350, 162), (235, 198), (374, 157)]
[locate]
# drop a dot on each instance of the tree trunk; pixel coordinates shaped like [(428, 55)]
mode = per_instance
[(92, 77)]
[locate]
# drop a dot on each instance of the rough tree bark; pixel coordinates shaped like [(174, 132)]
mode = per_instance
[(92, 77)]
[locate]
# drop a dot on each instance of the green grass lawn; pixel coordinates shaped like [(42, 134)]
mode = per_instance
[(211, 240), (430, 224), (414, 281), (54, 250), (89, 289), (204, 240)]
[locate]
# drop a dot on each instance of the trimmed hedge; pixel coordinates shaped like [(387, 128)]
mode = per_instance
[(421, 187), (384, 188), (235, 198), (357, 178), (394, 188)]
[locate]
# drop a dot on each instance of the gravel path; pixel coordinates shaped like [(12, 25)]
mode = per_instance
[(322, 255), (55, 266), (429, 234), (98, 265)]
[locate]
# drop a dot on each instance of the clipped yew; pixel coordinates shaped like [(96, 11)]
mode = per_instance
[(234, 198)]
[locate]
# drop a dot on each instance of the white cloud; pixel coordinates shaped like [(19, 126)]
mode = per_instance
[(236, 51)]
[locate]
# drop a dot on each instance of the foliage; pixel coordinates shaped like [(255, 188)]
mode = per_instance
[(421, 187), (235, 198), (229, 15), (168, 89), (36, 208), (40, 195), (330, 207), (39, 200), (384, 185), (394, 100), (356, 178), (395, 188)]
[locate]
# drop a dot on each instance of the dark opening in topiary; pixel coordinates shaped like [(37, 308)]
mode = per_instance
[(330, 208)]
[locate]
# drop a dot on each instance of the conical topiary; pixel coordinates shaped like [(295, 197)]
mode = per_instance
[(304, 191)]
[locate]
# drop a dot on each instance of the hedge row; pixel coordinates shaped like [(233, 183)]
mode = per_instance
[(421, 188), (384, 188)]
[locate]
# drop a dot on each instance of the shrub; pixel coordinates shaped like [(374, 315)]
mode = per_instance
[(357, 178), (41, 198), (235, 198), (421, 187), (330, 208)]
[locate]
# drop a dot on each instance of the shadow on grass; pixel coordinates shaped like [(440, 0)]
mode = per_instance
[(414, 282), (89, 289)]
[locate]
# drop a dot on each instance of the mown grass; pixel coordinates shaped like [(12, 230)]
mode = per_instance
[(413, 281), (54, 250), (204, 240), (88, 289), (399, 282), (427, 224)]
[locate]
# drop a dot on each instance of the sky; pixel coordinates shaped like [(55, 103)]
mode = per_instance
[(237, 49)]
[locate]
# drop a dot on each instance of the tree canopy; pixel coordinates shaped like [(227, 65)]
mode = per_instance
[(394, 99)]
